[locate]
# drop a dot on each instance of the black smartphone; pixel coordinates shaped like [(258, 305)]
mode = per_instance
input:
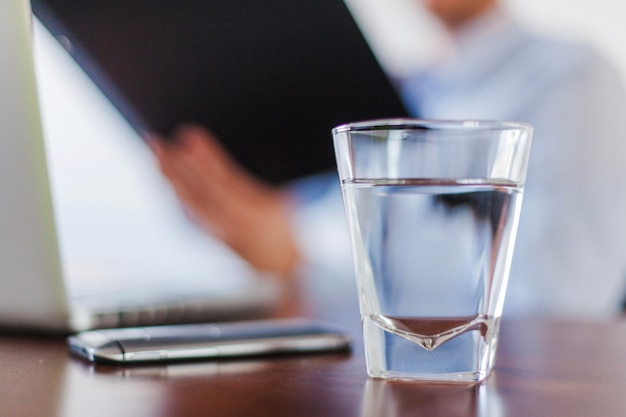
[(210, 340)]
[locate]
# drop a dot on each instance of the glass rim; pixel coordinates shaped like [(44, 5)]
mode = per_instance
[(431, 124)]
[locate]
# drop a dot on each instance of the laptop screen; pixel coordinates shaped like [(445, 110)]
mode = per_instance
[(270, 78)]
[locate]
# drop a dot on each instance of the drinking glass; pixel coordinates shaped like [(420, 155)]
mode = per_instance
[(432, 209)]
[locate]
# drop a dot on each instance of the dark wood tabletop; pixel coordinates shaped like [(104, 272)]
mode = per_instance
[(548, 368)]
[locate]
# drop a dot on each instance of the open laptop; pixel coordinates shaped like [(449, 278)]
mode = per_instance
[(90, 234)]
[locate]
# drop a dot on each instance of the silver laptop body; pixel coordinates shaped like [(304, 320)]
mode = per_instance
[(88, 263)]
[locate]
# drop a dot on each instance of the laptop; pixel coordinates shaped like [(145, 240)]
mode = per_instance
[(91, 235)]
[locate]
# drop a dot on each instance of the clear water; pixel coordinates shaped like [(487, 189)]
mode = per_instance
[(432, 260)]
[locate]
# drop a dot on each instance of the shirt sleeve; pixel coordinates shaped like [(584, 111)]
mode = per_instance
[(571, 246)]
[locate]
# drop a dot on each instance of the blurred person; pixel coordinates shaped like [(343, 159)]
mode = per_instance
[(570, 255)]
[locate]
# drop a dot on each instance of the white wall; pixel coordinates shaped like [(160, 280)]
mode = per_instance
[(400, 33)]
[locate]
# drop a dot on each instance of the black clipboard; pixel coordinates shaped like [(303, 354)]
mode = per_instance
[(270, 78)]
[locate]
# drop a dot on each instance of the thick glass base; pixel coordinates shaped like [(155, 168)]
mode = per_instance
[(465, 358)]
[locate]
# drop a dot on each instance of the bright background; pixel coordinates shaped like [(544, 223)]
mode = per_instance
[(396, 28)]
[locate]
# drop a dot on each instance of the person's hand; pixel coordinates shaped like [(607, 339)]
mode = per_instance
[(249, 216)]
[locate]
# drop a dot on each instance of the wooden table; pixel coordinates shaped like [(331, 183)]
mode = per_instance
[(543, 369)]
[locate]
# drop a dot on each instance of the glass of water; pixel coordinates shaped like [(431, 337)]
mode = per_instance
[(432, 210)]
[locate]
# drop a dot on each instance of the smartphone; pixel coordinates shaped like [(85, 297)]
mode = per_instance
[(210, 340)]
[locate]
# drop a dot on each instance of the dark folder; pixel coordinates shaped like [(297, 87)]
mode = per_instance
[(270, 78)]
